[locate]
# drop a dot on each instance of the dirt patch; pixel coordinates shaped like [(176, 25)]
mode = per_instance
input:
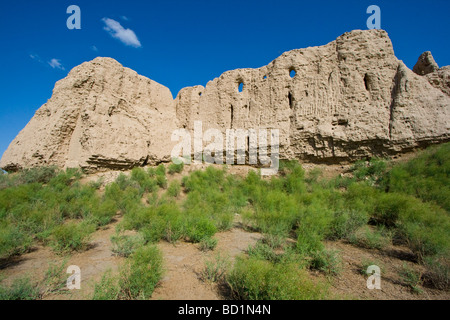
[(185, 262), (92, 262), (352, 284)]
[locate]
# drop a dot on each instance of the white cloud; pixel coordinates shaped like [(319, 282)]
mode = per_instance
[(127, 36), (124, 18), (94, 48), (35, 57), (56, 64)]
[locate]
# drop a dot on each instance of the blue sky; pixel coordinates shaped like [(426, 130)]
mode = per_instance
[(185, 43)]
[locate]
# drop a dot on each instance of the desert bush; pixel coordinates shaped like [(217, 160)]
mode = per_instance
[(71, 236), (200, 228), (125, 245), (141, 273), (21, 289), (107, 288), (369, 238), (372, 171), (438, 272), (216, 269), (253, 279), (263, 251), (146, 183), (39, 174), (425, 176), (160, 170), (207, 244), (55, 280), (161, 181), (175, 168), (64, 179), (174, 189), (103, 213), (345, 223), (327, 261), (411, 278), (13, 241)]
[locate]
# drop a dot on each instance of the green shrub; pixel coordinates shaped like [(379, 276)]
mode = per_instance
[(13, 241), (174, 189), (263, 251), (201, 228), (425, 176), (141, 273), (107, 289), (371, 239), (411, 278), (161, 181), (208, 243), (64, 179), (21, 289), (345, 223), (55, 280), (438, 272), (308, 242), (176, 168), (155, 230), (274, 241), (124, 246), (71, 237), (253, 279), (104, 212), (372, 171), (146, 183), (151, 172), (39, 174), (160, 170), (216, 269), (327, 261)]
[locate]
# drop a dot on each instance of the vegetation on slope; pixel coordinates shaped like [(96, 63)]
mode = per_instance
[(378, 204)]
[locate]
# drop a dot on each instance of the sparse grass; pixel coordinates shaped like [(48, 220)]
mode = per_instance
[(24, 288), (327, 261), (438, 272), (208, 243), (107, 288), (263, 251), (125, 245), (21, 289), (411, 278), (216, 269), (55, 280)]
